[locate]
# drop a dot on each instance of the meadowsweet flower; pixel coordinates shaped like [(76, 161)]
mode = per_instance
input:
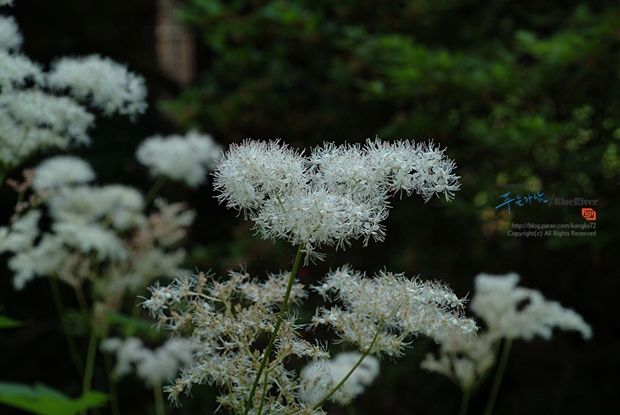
[(514, 312), (382, 313), (337, 194), (319, 378), (107, 84), (60, 171), (153, 366), (10, 38), (254, 171), (91, 237), (225, 320), (16, 70), (119, 206), (465, 360), (46, 258), (32, 120), (315, 217), (180, 158), (21, 234), (85, 221)]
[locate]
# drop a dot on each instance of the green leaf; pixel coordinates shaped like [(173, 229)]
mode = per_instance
[(133, 325), (7, 322), (43, 400)]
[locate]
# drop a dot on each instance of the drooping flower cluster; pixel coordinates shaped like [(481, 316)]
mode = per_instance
[(381, 314), (155, 367), (337, 194), (228, 320), (509, 312), (319, 378), (180, 158)]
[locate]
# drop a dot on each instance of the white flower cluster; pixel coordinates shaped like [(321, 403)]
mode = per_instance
[(62, 171), (155, 367), (33, 117), (10, 38), (227, 321), (382, 313), (93, 225), (516, 312), (180, 158), (337, 194), (510, 312), (464, 360), (319, 378), (101, 81)]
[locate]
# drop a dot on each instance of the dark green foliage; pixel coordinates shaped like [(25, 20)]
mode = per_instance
[(518, 92)]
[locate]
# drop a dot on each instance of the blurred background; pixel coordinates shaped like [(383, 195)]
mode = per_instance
[(519, 93)]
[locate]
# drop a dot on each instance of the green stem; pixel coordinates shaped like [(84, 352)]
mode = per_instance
[(159, 183), (264, 393), (350, 409), (90, 364), (160, 407), (276, 328), (112, 389), (499, 374), (73, 349), (130, 329), (359, 362), (465, 401)]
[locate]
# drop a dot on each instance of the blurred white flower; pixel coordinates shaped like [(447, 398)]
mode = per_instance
[(514, 312), (318, 378), (107, 84), (21, 235), (153, 366), (465, 360), (32, 120), (10, 38), (119, 206), (16, 70), (180, 158), (62, 170)]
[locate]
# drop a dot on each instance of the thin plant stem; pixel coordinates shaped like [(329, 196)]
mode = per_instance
[(90, 364), (359, 362), (73, 349), (465, 401), (112, 389), (499, 374), (160, 407), (159, 183), (131, 328), (276, 328), (264, 393)]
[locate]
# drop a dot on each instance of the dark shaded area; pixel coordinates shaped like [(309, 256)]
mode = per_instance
[(518, 92)]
